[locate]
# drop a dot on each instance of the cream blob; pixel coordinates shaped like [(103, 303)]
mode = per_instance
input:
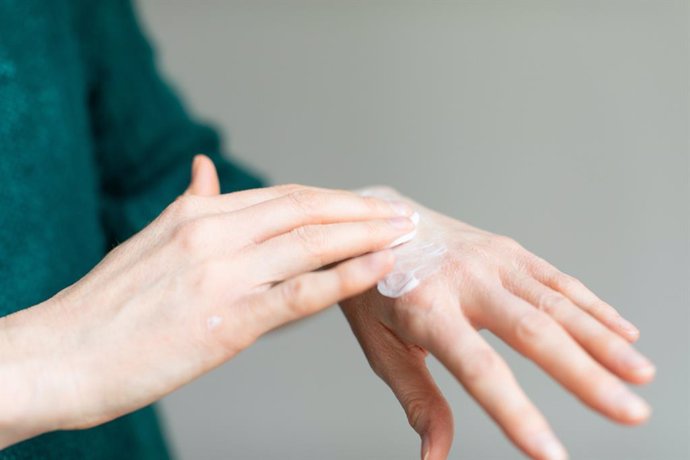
[(418, 254)]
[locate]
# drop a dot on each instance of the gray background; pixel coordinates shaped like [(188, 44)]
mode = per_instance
[(562, 124)]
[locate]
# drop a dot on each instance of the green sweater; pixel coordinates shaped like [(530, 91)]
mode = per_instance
[(93, 145)]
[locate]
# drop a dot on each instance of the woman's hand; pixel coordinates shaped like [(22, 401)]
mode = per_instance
[(202, 282), (486, 281)]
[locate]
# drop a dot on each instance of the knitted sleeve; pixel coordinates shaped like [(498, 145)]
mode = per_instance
[(144, 138)]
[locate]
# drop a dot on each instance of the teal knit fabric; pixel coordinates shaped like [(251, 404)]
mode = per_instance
[(93, 145)]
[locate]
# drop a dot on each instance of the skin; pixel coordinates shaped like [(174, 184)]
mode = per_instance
[(186, 294), (489, 281), (134, 329)]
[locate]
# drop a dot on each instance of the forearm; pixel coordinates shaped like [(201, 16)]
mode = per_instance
[(28, 409)]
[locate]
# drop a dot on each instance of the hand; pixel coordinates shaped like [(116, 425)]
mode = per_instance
[(202, 282), (487, 281)]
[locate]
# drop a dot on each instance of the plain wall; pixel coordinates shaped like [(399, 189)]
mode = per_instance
[(563, 124)]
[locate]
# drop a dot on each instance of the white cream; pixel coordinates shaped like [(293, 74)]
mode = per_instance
[(418, 254), (213, 322)]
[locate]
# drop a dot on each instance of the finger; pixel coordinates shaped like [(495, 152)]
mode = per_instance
[(604, 345), (311, 292), (487, 378), (403, 369), (277, 216), (314, 246), (583, 297), (534, 334), (204, 177), (191, 205), (296, 197)]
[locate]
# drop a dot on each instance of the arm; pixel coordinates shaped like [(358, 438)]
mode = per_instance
[(184, 295)]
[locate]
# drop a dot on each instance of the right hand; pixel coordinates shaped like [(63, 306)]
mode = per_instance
[(202, 282)]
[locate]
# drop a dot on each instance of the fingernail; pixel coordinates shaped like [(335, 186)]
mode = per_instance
[(403, 239), (635, 361), (401, 208), (548, 447), (630, 405), (626, 326)]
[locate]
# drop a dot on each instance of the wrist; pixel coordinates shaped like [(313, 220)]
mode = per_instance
[(26, 374)]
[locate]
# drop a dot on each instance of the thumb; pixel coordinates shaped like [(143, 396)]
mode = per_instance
[(403, 368), (204, 177), (427, 410)]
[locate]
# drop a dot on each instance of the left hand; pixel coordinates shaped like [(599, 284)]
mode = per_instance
[(490, 281)]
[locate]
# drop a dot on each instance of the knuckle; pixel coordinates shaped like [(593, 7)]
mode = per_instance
[(346, 281), (416, 405), (224, 340), (564, 282), (480, 364), (312, 239), (182, 208), (373, 204), (294, 297), (206, 278), (552, 303), (423, 299), (540, 266), (304, 200), (599, 308), (191, 236), (532, 327), (289, 188), (506, 242)]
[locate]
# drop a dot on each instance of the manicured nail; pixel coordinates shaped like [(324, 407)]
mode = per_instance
[(631, 406), (548, 447), (401, 208), (403, 239), (638, 363)]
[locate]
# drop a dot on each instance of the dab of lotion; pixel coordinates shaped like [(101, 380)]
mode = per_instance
[(213, 322)]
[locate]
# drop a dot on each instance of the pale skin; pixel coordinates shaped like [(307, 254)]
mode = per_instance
[(202, 282), (489, 281), (215, 272)]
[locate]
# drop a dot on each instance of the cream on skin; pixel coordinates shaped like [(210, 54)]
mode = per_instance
[(418, 254)]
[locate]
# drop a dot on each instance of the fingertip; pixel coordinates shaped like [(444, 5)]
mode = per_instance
[(628, 408), (204, 176), (642, 375), (626, 328), (546, 446), (639, 417)]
